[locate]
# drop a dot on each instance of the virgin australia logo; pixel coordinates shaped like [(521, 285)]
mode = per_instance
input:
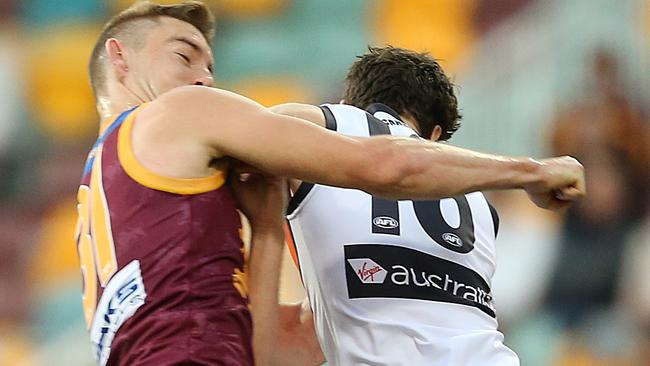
[(367, 270)]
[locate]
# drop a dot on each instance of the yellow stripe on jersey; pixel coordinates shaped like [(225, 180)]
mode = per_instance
[(152, 180), (100, 220), (86, 257)]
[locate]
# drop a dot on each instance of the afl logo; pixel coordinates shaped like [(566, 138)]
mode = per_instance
[(452, 239), (385, 222)]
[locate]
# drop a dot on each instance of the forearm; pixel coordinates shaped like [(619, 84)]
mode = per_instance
[(264, 273), (422, 169), (454, 170), (296, 344)]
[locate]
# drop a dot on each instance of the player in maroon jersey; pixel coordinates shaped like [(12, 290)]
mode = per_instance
[(158, 233)]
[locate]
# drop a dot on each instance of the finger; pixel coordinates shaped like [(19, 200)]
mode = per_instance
[(580, 182), (269, 178), (581, 185), (568, 194)]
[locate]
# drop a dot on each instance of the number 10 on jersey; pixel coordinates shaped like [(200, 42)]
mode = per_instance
[(386, 220)]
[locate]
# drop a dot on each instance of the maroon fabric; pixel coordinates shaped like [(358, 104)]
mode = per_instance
[(188, 247)]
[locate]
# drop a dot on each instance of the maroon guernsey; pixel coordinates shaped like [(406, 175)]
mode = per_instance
[(162, 262)]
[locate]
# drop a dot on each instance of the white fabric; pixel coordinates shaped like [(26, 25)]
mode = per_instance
[(393, 330), (123, 295)]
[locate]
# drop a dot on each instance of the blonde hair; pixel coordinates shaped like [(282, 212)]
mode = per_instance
[(130, 21)]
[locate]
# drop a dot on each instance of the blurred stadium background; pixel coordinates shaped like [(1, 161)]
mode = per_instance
[(537, 77)]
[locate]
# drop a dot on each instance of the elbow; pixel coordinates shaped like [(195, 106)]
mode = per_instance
[(388, 169)]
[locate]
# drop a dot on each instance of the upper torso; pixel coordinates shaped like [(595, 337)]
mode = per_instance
[(397, 282), (162, 261)]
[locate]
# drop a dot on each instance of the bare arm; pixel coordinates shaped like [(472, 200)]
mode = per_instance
[(227, 124), (297, 344), (283, 334), (263, 201), (554, 199), (263, 281), (307, 112)]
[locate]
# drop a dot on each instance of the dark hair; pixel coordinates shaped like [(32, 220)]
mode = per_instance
[(411, 83), (124, 23)]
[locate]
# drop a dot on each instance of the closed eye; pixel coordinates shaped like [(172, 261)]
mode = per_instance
[(184, 57)]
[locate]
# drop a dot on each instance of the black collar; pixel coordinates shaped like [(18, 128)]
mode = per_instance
[(379, 107)]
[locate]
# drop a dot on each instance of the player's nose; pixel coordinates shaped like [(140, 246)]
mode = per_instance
[(204, 80)]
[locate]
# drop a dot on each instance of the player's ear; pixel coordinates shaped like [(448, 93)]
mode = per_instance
[(116, 57), (435, 134)]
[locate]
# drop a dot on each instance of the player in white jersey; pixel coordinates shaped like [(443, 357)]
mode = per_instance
[(397, 282)]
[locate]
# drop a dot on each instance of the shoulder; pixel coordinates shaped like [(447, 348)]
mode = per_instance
[(178, 103), (199, 106), (187, 96)]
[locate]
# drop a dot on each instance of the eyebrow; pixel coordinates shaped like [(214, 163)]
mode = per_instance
[(188, 42)]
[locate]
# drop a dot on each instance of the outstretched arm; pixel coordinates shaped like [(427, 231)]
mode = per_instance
[(227, 124), (555, 198)]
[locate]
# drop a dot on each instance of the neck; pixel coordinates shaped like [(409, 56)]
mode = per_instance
[(410, 121), (116, 101)]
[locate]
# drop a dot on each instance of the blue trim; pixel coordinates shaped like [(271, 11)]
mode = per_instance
[(100, 140)]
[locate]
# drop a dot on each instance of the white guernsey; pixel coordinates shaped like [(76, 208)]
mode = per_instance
[(397, 282)]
